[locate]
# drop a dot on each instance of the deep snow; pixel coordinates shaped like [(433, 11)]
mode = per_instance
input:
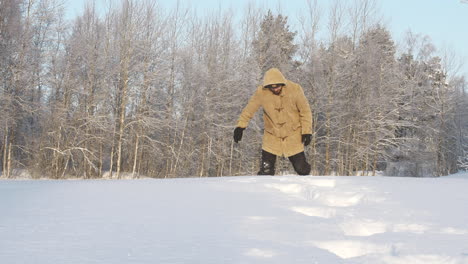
[(281, 219)]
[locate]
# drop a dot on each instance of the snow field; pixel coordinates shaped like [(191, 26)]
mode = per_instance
[(287, 219)]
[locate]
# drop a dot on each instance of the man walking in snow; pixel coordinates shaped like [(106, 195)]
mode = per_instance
[(287, 120)]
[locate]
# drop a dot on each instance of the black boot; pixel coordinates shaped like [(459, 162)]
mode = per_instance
[(300, 164), (267, 166)]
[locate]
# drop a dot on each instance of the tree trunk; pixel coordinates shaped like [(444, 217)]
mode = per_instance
[(230, 159), (5, 152), (57, 156), (122, 111), (8, 173), (315, 156), (135, 159), (100, 160), (327, 146), (374, 168), (202, 163), (111, 168), (174, 171)]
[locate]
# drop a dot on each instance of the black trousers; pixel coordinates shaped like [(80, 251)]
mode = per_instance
[(299, 162)]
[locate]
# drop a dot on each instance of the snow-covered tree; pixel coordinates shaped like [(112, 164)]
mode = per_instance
[(274, 45), (140, 90)]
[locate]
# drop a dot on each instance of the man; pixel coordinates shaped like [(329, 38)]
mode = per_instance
[(287, 120)]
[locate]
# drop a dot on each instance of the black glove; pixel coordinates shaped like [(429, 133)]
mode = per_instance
[(306, 138), (238, 134)]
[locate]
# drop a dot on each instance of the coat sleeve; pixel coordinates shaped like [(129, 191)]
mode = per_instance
[(249, 110), (305, 114)]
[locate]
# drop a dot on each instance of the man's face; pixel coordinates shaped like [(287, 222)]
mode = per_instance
[(275, 88)]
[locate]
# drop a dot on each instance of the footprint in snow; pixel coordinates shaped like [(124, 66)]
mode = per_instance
[(339, 199)]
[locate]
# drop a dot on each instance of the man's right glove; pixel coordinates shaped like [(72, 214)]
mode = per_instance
[(238, 134)]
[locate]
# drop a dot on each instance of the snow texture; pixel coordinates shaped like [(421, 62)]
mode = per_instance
[(253, 219)]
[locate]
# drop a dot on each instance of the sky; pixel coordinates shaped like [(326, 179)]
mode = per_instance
[(445, 21)]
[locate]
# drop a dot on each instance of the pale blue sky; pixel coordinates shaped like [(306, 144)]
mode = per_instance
[(445, 21)]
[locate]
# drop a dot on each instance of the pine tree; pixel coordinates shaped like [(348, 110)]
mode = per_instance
[(274, 47)]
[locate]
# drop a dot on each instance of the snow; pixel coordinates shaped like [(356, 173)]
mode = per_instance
[(251, 219)]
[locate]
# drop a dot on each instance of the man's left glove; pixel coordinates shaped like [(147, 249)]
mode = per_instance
[(306, 138), (238, 134)]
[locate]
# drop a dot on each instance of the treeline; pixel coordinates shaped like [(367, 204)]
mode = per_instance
[(136, 90)]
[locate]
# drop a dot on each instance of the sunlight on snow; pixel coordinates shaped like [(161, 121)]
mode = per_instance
[(363, 227), (262, 253), (286, 188), (321, 212), (410, 228), (321, 182), (344, 199), (453, 231), (350, 249), (260, 218)]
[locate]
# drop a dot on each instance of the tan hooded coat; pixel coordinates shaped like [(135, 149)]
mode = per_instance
[(286, 116)]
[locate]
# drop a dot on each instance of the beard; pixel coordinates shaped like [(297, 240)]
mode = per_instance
[(276, 92)]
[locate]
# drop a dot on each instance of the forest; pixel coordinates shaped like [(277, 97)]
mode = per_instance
[(137, 90)]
